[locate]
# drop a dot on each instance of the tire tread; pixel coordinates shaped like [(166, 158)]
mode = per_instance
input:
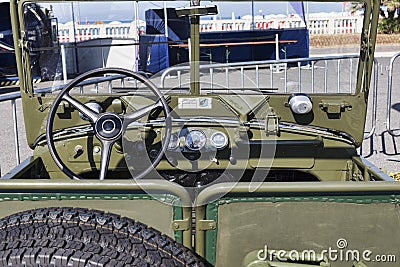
[(83, 237)]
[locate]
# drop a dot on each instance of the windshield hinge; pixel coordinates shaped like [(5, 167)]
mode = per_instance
[(181, 225), (204, 225), (335, 107), (272, 123)]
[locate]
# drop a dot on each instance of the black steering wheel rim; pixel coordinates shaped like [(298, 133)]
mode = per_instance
[(89, 74)]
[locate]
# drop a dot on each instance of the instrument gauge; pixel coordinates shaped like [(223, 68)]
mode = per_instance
[(173, 142), (195, 140), (219, 140)]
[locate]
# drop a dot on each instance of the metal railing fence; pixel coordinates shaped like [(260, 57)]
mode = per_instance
[(276, 70), (390, 128)]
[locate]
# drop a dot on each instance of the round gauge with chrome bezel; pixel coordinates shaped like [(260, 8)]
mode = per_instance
[(219, 140), (195, 140), (173, 142)]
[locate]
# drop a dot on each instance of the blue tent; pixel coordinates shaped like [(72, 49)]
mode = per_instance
[(8, 66)]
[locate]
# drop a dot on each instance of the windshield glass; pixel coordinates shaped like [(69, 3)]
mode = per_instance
[(272, 47)]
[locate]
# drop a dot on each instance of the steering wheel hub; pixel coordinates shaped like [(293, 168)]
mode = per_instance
[(108, 126)]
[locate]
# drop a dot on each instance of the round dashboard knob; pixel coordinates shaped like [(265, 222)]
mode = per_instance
[(300, 104)]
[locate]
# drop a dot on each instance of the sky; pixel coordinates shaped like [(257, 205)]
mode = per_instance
[(123, 11)]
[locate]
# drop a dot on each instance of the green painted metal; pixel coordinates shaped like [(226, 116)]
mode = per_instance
[(252, 260), (178, 215), (121, 186), (212, 210), (295, 188), (195, 55), (75, 196)]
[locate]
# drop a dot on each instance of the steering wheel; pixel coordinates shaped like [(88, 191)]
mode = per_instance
[(108, 127)]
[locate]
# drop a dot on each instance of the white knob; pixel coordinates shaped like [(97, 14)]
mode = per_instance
[(300, 104)]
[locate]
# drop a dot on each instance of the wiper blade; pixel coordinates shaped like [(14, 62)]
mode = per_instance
[(310, 129), (318, 130)]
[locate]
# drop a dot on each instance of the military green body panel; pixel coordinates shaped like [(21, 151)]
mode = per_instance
[(160, 217), (300, 223), (314, 159), (350, 119), (327, 155)]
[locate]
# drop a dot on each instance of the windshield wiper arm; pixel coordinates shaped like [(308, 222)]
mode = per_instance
[(320, 130)]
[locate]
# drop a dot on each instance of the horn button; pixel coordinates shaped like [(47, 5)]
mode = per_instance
[(108, 126)]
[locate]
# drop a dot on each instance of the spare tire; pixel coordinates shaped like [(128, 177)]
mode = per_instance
[(83, 237)]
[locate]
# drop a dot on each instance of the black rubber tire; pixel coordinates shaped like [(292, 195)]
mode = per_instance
[(82, 237)]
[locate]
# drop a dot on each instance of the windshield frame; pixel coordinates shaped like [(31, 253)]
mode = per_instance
[(367, 46)]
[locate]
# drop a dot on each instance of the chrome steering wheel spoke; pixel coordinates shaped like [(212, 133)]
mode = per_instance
[(106, 147), (93, 116), (140, 113)]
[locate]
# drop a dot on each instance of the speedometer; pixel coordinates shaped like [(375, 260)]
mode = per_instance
[(195, 140)]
